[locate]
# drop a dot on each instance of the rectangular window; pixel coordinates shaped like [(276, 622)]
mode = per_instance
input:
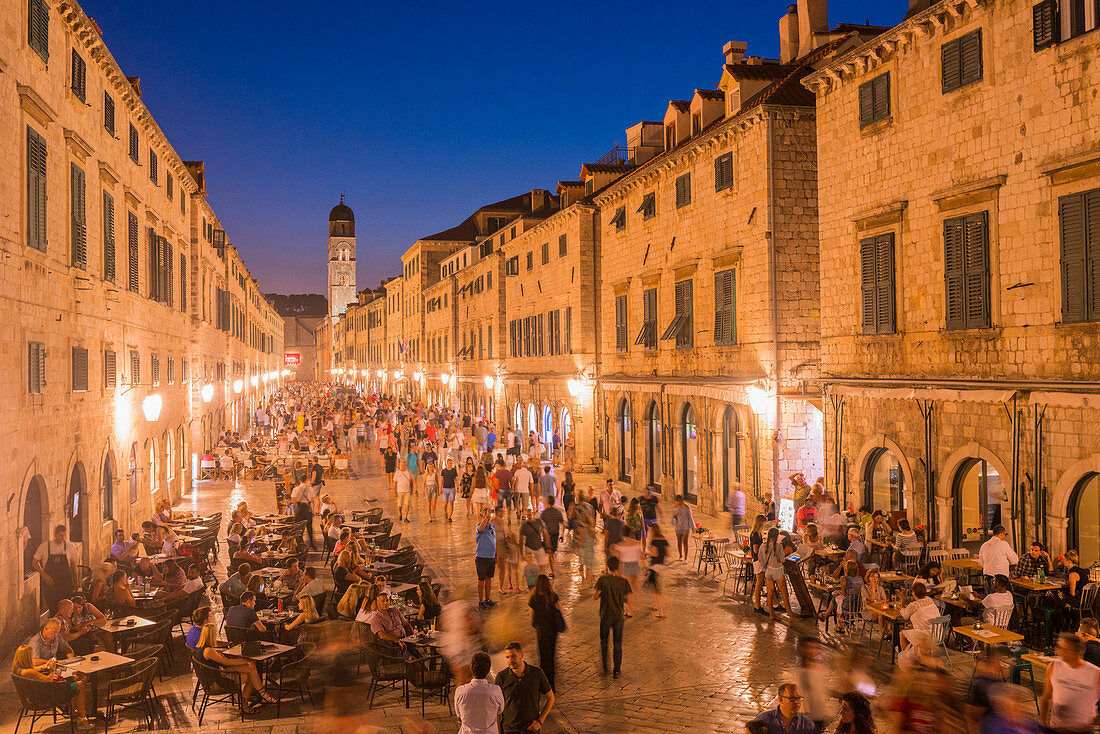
[(169, 185), (725, 307), (152, 166), (36, 367), (619, 220), (154, 264), (648, 208), (171, 371), (620, 323), (530, 261), (539, 341), (38, 28), (183, 283), (567, 346), (108, 238), (966, 271), (135, 368), (1045, 26), (80, 369), (961, 61), (876, 265), (683, 190), (682, 326), (489, 280), (1079, 228), (110, 375), (154, 369), (78, 219), (723, 172), (79, 77), (511, 267), (109, 113), (874, 100), (562, 246), (36, 190), (134, 152), (545, 253), (647, 336), (132, 251)]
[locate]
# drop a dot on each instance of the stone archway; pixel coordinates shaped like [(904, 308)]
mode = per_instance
[(1059, 510), (35, 517), (76, 509), (871, 451), (945, 490)]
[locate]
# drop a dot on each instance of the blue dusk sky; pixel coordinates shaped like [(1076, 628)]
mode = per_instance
[(418, 112)]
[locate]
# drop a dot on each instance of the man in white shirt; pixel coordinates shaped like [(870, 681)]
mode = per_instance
[(479, 703), (996, 556), (999, 599), (919, 612), (521, 485), (403, 483)]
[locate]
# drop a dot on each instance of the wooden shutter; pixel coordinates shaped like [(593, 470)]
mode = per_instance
[(36, 190), (725, 312), (976, 245), (167, 271), (183, 282), (80, 369), (685, 334), (108, 238), (882, 96), (683, 190), (169, 186), (954, 273), (110, 375), (154, 369), (108, 113), (618, 222), (1092, 233), (154, 264), (723, 172), (884, 284), (562, 246), (135, 368), (950, 68), (36, 367), (134, 144), (38, 28), (1074, 257), (79, 251), (568, 330), (1045, 24), (79, 77), (620, 323), (133, 249), (867, 272), (152, 166), (970, 57)]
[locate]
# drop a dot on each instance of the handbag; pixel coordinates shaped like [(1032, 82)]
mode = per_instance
[(559, 620)]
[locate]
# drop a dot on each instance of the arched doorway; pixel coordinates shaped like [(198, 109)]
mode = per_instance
[(689, 454), (566, 421), (626, 441), (653, 445), (547, 426), (979, 503), (731, 453), (883, 482), (76, 508), (532, 418), (517, 419), (35, 515), (1083, 534), (132, 469), (107, 488)]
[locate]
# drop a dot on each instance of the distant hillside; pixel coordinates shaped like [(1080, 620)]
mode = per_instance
[(299, 304)]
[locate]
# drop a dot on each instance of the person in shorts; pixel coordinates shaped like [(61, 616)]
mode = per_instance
[(485, 557), (503, 478), (403, 483), (448, 478)]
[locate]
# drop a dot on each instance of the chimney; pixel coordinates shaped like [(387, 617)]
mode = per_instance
[(813, 17), (538, 199), (135, 82), (735, 51), (917, 6), (788, 35)]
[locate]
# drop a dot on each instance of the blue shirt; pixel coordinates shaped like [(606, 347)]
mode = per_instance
[(487, 542), (241, 615), (801, 724), (193, 635)]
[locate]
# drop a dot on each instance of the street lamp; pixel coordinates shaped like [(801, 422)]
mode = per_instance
[(238, 385), (575, 387), (207, 392), (758, 399), (151, 407), (256, 380), (489, 382)]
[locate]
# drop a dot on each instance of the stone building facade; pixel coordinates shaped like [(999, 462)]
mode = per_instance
[(959, 174), (124, 306)]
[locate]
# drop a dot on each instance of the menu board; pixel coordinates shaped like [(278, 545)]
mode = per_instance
[(786, 515)]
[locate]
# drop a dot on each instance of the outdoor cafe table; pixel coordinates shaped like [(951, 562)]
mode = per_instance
[(371, 536), (268, 652), (988, 634), (968, 566), (958, 605), (706, 541), (119, 627), (427, 638), (827, 590), (92, 668), (890, 611), (275, 617), (272, 557), (893, 577), (1034, 588), (1037, 661), (192, 528), (402, 588), (272, 572), (383, 553), (383, 567)]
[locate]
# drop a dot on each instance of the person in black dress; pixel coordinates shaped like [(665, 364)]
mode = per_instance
[(544, 618)]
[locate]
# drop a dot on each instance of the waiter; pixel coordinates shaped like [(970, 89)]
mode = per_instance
[(55, 560)]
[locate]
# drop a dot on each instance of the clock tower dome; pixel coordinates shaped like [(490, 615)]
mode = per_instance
[(341, 258)]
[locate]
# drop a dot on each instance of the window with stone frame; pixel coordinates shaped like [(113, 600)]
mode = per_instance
[(961, 61), (877, 284), (110, 373), (1079, 234), (80, 369), (620, 323), (648, 207), (135, 152), (36, 190), (79, 77), (36, 367), (38, 28), (682, 326), (874, 100), (966, 271), (78, 218), (618, 221), (647, 335), (683, 190), (562, 246), (725, 307), (723, 172)]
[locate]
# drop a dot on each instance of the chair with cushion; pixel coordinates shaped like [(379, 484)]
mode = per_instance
[(208, 470), (42, 698), (387, 667), (217, 686), (134, 690), (227, 469), (340, 468), (428, 675)]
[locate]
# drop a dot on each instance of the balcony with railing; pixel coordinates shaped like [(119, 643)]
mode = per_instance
[(618, 154)]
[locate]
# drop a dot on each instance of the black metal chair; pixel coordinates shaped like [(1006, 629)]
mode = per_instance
[(238, 635), (133, 691), (387, 667), (428, 675), (217, 686), (42, 698), (294, 678)]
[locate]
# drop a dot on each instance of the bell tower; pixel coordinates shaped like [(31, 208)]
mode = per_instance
[(341, 258)]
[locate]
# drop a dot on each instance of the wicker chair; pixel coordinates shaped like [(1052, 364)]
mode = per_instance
[(429, 675), (217, 687), (294, 677), (42, 698), (386, 667), (133, 691)]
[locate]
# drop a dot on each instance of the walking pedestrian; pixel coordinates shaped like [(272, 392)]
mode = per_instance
[(785, 718), (479, 703), (403, 482), (649, 503), (534, 536), (431, 488), (612, 591), (448, 478), (1072, 689), (523, 685), (756, 542), (772, 557), (657, 551), (485, 557), (302, 496), (545, 613), (683, 522), (553, 519), (466, 485)]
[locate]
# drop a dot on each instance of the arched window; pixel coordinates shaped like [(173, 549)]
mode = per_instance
[(133, 471), (653, 444), (979, 503), (884, 482), (731, 452), (532, 417), (547, 426), (517, 419), (169, 455), (1084, 520), (689, 455), (107, 488), (626, 441), (78, 497), (34, 520), (154, 466)]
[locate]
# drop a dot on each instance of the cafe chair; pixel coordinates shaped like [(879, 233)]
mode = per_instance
[(850, 613), (386, 668), (340, 468), (238, 635), (330, 545), (208, 470), (939, 629), (226, 468), (428, 675), (711, 555), (217, 686), (910, 560), (42, 698), (294, 678), (132, 691), (1002, 616), (1088, 601)]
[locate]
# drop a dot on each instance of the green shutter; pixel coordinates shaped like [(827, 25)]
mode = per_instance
[(866, 105), (133, 251), (976, 246), (954, 273), (970, 57), (725, 312), (108, 238), (1092, 234), (38, 28), (36, 190), (79, 238), (884, 284), (1074, 257), (867, 272)]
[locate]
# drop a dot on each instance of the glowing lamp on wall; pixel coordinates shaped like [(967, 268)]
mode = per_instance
[(256, 380), (575, 386), (758, 399), (489, 382), (444, 378), (238, 385), (151, 407), (207, 392), (417, 376)]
